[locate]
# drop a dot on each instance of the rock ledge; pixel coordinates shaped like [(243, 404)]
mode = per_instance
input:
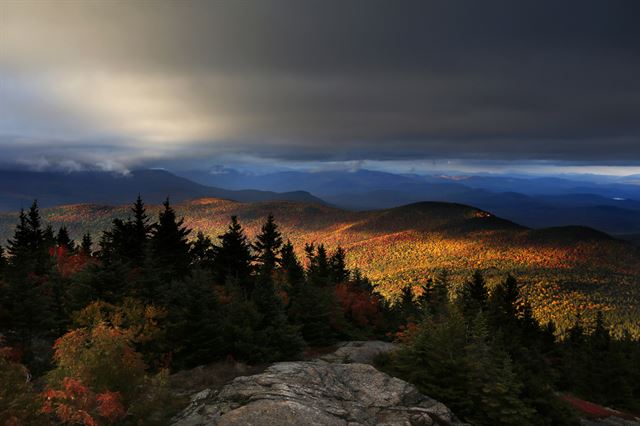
[(316, 393)]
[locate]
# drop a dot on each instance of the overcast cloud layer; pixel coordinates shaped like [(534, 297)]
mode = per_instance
[(115, 84)]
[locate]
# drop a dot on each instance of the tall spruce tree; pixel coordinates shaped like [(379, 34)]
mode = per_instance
[(27, 249), (26, 302), (49, 237), (86, 245), (284, 339), (141, 230), (318, 265), (338, 272), (314, 306), (473, 296), (64, 240), (194, 320), (267, 247), (233, 258), (292, 269), (170, 247), (202, 252)]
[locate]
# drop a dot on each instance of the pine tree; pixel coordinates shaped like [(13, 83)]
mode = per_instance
[(453, 361), (267, 246), (86, 245), (504, 308), (314, 306), (141, 231), (474, 295), (440, 293), (407, 305), (26, 302), (27, 249), (574, 354), (233, 257), (170, 247), (194, 327), (48, 237), (318, 265), (283, 338), (63, 240), (338, 272), (202, 252), (292, 269), (116, 244)]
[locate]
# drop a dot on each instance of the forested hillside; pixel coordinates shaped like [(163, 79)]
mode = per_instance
[(566, 270)]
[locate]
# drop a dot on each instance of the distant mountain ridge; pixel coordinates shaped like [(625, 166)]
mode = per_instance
[(19, 189), (612, 205)]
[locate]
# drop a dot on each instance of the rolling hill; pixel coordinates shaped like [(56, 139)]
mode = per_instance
[(564, 269), (606, 203)]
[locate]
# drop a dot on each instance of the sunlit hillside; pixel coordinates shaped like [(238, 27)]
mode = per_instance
[(566, 270)]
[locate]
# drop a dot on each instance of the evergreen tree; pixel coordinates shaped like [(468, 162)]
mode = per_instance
[(426, 300), (504, 307), (313, 309), (233, 257), (116, 244), (407, 306), (26, 301), (49, 237), (27, 249), (267, 247), (338, 272), (63, 240), (454, 362), (314, 306), (440, 293), (283, 338), (85, 246), (318, 265), (202, 252), (574, 354), (292, 269), (141, 230), (474, 295), (170, 248), (194, 321)]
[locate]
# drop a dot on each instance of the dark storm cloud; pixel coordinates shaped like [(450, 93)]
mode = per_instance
[(312, 80)]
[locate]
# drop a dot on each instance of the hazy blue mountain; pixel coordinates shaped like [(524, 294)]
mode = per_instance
[(607, 203), (19, 188)]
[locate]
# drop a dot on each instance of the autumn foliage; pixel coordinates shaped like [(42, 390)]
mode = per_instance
[(75, 403)]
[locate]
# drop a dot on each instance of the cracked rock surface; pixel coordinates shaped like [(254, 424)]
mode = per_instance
[(315, 393)]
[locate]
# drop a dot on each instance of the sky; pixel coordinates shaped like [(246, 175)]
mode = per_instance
[(532, 86)]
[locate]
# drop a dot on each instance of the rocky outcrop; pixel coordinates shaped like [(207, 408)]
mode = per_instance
[(363, 352), (316, 393)]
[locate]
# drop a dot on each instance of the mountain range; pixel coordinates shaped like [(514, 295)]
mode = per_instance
[(608, 204), (19, 188)]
